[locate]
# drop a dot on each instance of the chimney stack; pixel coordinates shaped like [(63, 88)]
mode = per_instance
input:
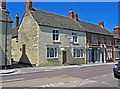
[(28, 5), (71, 14), (76, 17), (3, 4), (101, 24), (116, 30), (16, 20)]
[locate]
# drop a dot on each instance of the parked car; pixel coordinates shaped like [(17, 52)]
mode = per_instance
[(116, 70)]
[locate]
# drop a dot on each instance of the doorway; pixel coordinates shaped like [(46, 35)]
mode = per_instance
[(64, 57)]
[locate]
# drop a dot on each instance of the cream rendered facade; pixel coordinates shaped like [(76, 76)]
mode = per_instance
[(34, 39)]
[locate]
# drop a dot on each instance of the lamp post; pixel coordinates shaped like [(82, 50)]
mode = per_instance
[(7, 14)]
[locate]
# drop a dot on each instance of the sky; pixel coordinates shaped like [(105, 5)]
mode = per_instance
[(92, 12)]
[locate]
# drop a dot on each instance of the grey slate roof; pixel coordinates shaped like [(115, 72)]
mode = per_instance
[(14, 32), (3, 15), (53, 20), (88, 27), (115, 35)]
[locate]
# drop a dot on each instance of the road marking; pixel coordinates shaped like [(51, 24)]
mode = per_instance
[(11, 80), (106, 83), (104, 75), (95, 77), (52, 85)]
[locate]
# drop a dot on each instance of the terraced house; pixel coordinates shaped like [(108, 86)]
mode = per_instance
[(48, 39)]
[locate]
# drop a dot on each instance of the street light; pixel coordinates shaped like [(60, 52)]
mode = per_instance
[(7, 14)]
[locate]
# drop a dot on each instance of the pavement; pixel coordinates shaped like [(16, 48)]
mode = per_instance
[(50, 68)]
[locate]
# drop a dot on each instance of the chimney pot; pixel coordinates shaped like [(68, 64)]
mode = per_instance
[(28, 5), (101, 24), (71, 14), (76, 17), (16, 20), (116, 30), (3, 4)]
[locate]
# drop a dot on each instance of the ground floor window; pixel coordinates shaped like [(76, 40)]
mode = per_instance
[(78, 53), (52, 52), (109, 54), (116, 55)]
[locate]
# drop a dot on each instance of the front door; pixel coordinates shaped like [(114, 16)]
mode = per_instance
[(64, 57)]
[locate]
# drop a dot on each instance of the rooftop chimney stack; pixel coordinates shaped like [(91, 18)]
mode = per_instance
[(28, 5), (101, 24), (3, 4), (116, 30), (71, 14), (76, 17), (16, 20)]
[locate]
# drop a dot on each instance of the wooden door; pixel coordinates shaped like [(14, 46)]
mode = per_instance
[(64, 57)]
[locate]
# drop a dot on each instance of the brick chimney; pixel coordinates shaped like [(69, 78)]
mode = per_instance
[(16, 20), (71, 14), (76, 17), (101, 24), (28, 5), (3, 4), (116, 30)]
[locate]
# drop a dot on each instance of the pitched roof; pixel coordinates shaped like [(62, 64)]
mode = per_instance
[(14, 32), (88, 27), (54, 20), (3, 15)]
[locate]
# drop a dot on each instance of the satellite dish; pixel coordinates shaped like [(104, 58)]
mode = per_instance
[(71, 38)]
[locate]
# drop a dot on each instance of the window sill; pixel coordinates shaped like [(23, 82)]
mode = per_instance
[(52, 58), (56, 41), (76, 43), (78, 57)]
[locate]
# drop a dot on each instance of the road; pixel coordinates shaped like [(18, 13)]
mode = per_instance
[(97, 76)]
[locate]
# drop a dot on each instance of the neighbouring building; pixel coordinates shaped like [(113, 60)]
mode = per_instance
[(48, 39), (5, 30), (99, 42), (116, 34), (100, 47)]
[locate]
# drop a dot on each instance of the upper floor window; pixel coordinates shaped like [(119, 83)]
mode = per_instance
[(94, 39), (108, 41), (75, 40), (102, 39), (56, 35)]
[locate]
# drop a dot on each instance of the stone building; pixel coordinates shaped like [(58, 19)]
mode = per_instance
[(48, 39), (5, 30)]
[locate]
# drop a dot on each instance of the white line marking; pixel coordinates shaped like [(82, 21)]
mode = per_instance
[(52, 85), (104, 75), (95, 77), (12, 80), (106, 83)]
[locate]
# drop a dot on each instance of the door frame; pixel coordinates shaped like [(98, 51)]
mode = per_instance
[(64, 57)]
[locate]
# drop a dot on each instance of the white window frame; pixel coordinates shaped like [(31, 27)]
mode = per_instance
[(49, 57), (54, 32), (75, 50), (109, 54), (73, 34)]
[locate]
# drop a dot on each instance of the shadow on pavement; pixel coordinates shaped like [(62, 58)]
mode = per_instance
[(20, 65)]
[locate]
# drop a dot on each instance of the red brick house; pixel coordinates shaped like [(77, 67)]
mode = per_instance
[(116, 34)]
